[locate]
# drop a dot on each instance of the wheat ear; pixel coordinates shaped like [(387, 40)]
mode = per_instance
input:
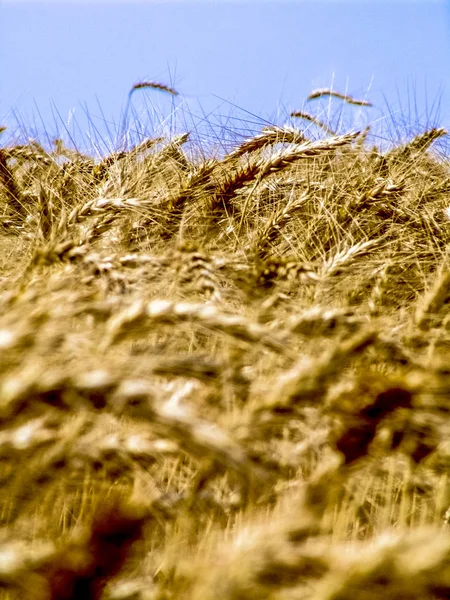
[(285, 158), (319, 93), (268, 136), (155, 86), (299, 114)]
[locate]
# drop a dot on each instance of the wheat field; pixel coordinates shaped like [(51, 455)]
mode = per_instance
[(226, 377)]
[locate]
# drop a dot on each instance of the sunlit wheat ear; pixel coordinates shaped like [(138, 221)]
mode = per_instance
[(196, 269), (308, 117), (362, 138), (269, 136), (155, 86), (424, 140), (281, 160), (274, 225), (173, 152), (143, 146), (319, 93), (30, 152), (340, 261), (141, 85), (2, 129), (418, 145), (192, 188)]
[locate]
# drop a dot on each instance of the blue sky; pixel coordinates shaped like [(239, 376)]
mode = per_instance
[(67, 66)]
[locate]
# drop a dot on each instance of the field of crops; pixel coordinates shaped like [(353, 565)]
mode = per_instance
[(226, 377)]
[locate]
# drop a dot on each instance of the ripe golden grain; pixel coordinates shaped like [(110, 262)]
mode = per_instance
[(225, 377)]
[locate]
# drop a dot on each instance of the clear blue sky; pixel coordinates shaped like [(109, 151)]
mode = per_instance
[(229, 60)]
